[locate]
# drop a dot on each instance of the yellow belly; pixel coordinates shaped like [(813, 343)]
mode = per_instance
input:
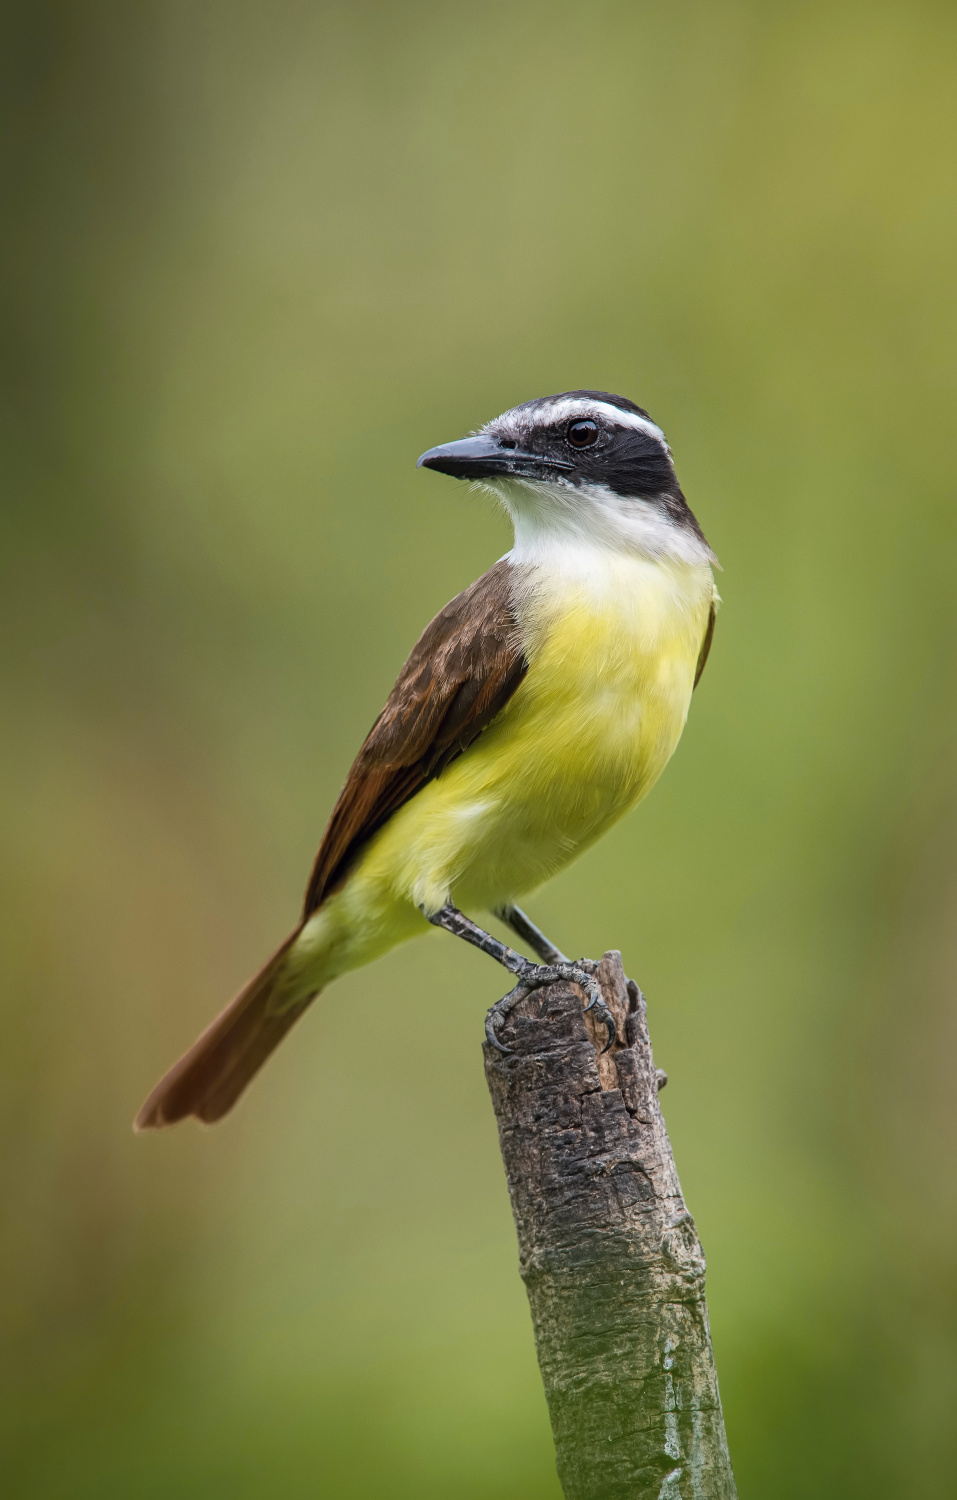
[(585, 736)]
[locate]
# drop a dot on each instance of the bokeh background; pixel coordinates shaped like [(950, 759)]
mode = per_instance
[(258, 255)]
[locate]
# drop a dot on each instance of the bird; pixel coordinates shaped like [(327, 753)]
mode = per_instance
[(535, 709)]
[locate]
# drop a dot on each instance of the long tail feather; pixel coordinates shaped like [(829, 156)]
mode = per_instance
[(209, 1078)]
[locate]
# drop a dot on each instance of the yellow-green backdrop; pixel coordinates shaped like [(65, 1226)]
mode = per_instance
[(258, 255)]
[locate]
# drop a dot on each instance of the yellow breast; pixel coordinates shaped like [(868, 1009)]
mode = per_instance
[(612, 644), (613, 647)]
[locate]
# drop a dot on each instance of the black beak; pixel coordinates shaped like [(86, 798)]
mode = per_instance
[(484, 457)]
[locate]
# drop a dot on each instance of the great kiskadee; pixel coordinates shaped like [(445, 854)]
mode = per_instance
[(535, 709)]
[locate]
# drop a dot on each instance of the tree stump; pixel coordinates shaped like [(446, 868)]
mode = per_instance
[(608, 1252)]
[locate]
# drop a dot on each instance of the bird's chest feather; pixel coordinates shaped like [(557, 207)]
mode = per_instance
[(612, 648), (612, 653)]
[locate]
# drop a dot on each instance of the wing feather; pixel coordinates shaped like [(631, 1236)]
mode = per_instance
[(705, 644), (463, 669)]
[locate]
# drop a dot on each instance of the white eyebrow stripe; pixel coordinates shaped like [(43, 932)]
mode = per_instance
[(582, 406)]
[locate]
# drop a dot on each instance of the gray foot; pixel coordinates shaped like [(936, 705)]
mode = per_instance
[(530, 976), (537, 977)]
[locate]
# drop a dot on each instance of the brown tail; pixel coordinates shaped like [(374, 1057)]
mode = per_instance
[(209, 1078)]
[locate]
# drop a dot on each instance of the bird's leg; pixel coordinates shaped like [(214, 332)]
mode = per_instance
[(514, 917), (530, 976)]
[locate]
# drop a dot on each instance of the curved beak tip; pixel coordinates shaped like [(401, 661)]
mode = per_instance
[(483, 457), (467, 458), (432, 457)]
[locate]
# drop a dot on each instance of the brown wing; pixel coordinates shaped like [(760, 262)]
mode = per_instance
[(464, 668), (705, 645)]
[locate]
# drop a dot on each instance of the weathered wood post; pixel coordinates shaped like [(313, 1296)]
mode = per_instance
[(608, 1252)]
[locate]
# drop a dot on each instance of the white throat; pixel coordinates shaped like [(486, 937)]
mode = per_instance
[(550, 518)]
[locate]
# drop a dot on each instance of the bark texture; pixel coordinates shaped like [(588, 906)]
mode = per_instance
[(609, 1253)]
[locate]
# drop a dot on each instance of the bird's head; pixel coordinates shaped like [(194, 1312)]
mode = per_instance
[(584, 465)]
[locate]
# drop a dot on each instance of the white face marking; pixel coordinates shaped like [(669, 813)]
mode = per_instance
[(553, 517), (570, 408), (581, 406)]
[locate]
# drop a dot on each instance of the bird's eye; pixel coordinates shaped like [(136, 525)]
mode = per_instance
[(582, 434)]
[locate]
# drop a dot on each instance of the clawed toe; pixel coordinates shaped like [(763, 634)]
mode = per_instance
[(500, 1011), (535, 977), (530, 976), (602, 1013)]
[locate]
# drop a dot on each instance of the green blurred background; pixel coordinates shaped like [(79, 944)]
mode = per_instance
[(259, 255)]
